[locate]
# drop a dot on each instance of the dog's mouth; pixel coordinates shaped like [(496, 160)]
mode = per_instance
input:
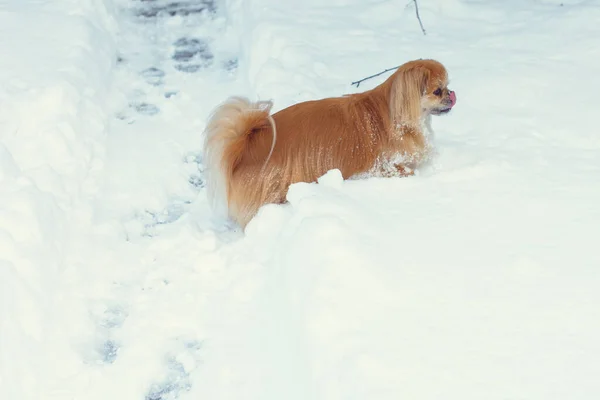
[(440, 111), (446, 106)]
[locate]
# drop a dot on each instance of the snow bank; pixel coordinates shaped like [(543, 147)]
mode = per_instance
[(475, 279), (56, 65), (428, 287)]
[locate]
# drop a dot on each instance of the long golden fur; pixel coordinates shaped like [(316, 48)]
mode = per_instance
[(251, 157)]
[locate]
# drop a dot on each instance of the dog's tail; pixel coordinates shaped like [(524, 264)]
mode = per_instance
[(225, 139)]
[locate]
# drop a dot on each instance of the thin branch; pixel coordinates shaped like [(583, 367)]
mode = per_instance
[(357, 83), (419, 17)]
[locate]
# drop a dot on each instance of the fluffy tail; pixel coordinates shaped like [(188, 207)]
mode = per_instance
[(225, 139)]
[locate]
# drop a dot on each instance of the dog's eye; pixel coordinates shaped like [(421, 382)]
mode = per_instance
[(437, 92)]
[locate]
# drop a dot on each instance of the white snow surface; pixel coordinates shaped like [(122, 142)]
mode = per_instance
[(475, 279)]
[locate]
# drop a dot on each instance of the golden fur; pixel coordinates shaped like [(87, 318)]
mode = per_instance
[(251, 157)]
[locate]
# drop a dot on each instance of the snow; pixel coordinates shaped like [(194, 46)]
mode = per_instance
[(52, 120), (476, 278)]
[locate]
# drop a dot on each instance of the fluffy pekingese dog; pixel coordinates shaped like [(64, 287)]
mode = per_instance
[(251, 157)]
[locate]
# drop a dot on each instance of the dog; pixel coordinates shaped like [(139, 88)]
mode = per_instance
[(251, 156)]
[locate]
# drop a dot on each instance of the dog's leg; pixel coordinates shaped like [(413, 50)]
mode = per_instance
[(404, 170), (390, 170)]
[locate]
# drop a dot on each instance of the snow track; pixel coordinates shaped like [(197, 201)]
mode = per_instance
[(165, 51)]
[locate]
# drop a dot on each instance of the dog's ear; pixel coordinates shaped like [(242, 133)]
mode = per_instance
[(407, 90)]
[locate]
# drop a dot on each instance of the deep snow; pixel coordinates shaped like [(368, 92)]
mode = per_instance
[(475, 279)]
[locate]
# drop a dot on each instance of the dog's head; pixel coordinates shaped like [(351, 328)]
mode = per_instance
[(420, 88), (437, 98)]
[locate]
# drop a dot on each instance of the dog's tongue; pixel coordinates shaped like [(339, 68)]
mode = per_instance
[(453, 98)]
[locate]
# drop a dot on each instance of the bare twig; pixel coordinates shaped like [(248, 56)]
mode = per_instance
[(419, 17), (357, 83)]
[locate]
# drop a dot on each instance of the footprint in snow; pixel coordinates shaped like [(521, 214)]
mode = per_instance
[(196, 179), (192, 54), (107, 350), (179, 367), (145, 108), (152, 9), (153, 76)]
